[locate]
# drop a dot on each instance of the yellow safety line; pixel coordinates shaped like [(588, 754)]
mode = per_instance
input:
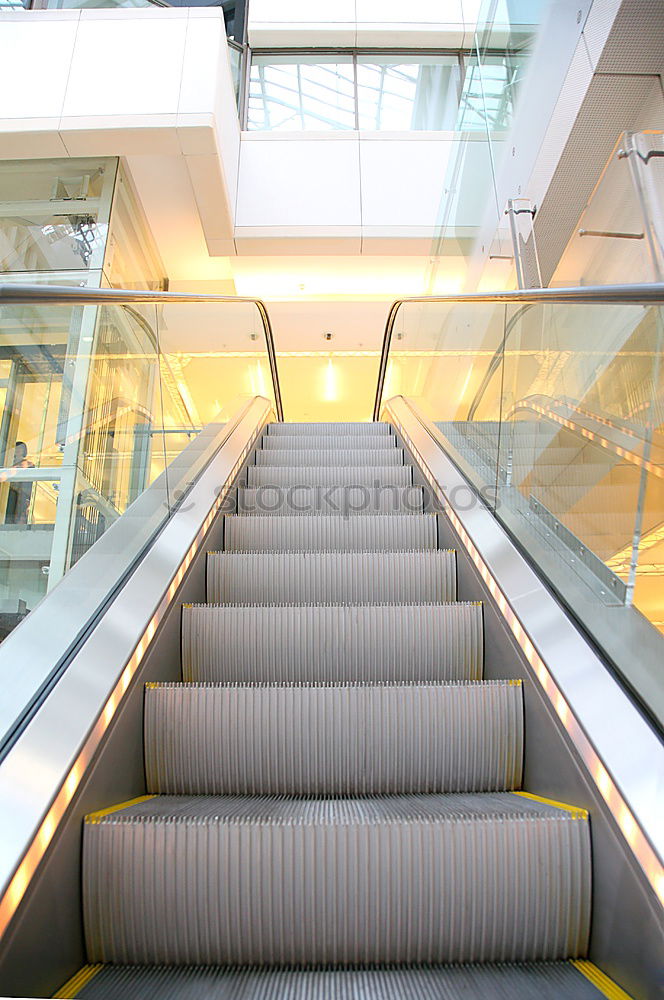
[(77, 982), (600, 980), (576, 811), (96, 816)]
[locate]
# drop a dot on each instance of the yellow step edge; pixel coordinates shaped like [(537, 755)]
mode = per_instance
[(576, 811), (94, 817), (599, 980), (77, 982)]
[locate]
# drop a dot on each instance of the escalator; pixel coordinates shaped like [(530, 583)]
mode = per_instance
[(329, 738), (335, 801)]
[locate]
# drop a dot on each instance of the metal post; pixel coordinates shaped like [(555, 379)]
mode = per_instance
[(644, 153), (521, 214)]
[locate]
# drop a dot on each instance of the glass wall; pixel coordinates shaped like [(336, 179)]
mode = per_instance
[(54, 214), (506, 34), (376, 91)]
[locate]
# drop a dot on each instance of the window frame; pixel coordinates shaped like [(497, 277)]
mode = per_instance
[(461, 55)]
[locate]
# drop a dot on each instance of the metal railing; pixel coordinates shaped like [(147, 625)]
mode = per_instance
[(650, 294), (62, 295)]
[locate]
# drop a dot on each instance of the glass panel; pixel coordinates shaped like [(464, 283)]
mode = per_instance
[(489, 92), (440, 356), (408, 92), (573, 476), (300, 92), (34, 344), (223, 365), (54, 214), (235, 56), (132, 259), (473, 189), (555, 413), (98, 404)]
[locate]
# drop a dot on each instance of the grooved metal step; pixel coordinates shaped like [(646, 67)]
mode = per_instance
[(331, 577), (291, 880), (507, 981), (322, 457), (364, 442), (330, 429), (328, 644), (324, 500), (333, 739), (375, 532), (374, 477)]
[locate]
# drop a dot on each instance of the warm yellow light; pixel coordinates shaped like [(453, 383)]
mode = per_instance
[(465, 384), (334, 278), (260, 380), (330, 383), (392, 379)]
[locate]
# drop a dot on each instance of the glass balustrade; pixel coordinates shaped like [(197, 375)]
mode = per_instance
[(97, 403), (555, 413)]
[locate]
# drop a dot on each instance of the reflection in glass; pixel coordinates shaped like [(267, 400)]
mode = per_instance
[(489, 91), (299, 92), (555, 414), (54, 214), (560, 409), (377, 92), (235, 57), (407, 93)]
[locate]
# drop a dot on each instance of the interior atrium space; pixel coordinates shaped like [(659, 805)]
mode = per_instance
[(332, 499)]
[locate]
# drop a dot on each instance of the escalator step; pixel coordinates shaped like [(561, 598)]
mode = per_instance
[(506, 981), (379, 531), (371, 477), (330, 429), (338, 457), (325, 500), (340, 739), (293, 880), (328, 644), (363, 442), (331, 577)]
